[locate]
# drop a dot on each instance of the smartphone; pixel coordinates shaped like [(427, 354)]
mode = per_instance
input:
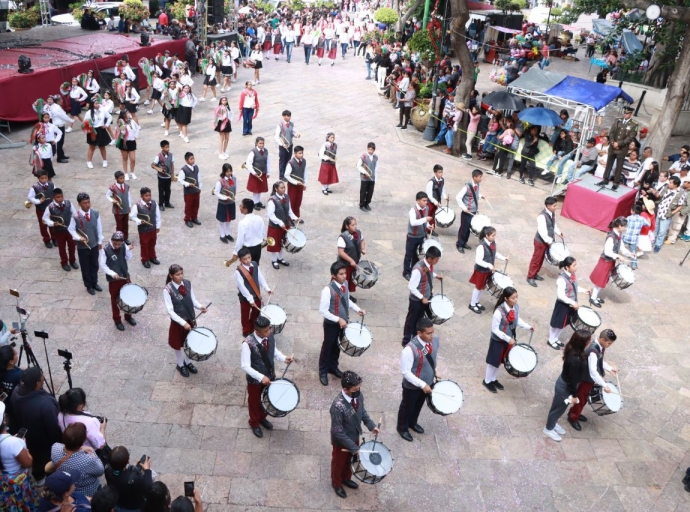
[(15, 325), (22, 433), (3, 397), (142, 460), (14, 293), (189, 489)]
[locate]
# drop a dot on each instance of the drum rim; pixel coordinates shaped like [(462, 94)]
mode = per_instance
[(390, 452), (354, 326), (293, 385), (281, 308), (528, 347)]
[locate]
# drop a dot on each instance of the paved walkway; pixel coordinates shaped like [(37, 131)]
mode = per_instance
[(489, 456)]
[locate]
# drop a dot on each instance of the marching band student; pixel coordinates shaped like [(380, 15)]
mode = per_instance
[(42, 156), (257, 358), (187, 101), (91, 85), (132, 99), (169, 111), (57, 216), (285, 132), (351, 245), (280, 217), (118, 194), (566, 300), (347, 414), (484, 259), (227, 69), (59, 118), (112, 259), (249, 280), (250, 231), (596, 368), (368, 167), (235, 55), (249, 108), (147, 216), (421, 286), (328, 174), (546, 233), (468, 200), (95, 122), (76, 96), (320, 46), (85, 228), (333, 52), (417, 226), (296, 175), (418, 375), (128, 132), (41, 195), (164, 165), (180, 303), (267, 42), (436, 192), (210, 79), (612, 247), (277, 43), (504, 323), (259, 168), (157, 88), (225, 191), (334, 306), (222, 116), (190, 179)]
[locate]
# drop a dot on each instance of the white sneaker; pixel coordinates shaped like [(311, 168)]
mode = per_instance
[(221, 156), (180, 134), (226, 156), (68, 130), (105, 163), (202, 99), (552, 434), (186, 139), (545, 172), (559, 430), (166, 133), (126, 177), (147, 102), (112, 142), (89, 165), (163, 124), (149, 112), (134, 176)]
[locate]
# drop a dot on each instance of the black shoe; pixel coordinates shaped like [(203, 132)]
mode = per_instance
[(258, 432), (353, 299), (259, 206), (229, 238), (407, 276), (336, 372), (538, 277), (615, 186), (168, 205), (498, 385), (475, 309), (490, 386), (522, 180), (63, 161), (323, 377), (404, 127), (351, 484), (119, 326), (405, 435), (418, 428), (267, 425), (74, 265), (367, 207), (161, 207), (66, 267), (146, 264), (460, 250), (339, 490), (575, 424), (131, 321), (595, 303), (434, 233), (91, 291), (48, 245), (284, 263), (582, 418), (189, 224), (301, 221), (601, 301), (191, 368), (183, 371), (530, 183), (532, 282), (602, 183), (398, 125), (363, 208), (480, 306), (196, 221), (467, 247), (275, 265), (222, 239), (97, 288), (155, 261)]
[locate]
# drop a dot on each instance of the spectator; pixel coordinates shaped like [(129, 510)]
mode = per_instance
[(6, 333), (105, 500), (680, 217), (10, 374), (89, 21), (36, 410), (190, 55), (72, 405), (162, 20), (73, 455), (133, 483), (183, 504), (16, 490), (561, 147), (60, 490), (669, 205), (158, 498), (111, 23)]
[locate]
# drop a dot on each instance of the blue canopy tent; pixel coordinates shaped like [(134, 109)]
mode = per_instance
[(590, 93), (627, 39)]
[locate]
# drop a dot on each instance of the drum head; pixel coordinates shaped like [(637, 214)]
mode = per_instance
[(376, 458), (523, 358), (442, 306), (431, 243), (480, 221), (626, 273), (275, 314), (133, 295), (444, 215), (559, 251), (589, 316), (612, 400), (283, 395), (201, 340), (447, 396), (296, 237), (368, 269), (502, 280), (358, 335)]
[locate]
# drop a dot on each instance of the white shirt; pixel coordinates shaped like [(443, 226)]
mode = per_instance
[(102, 259), (325, 302), (415, 277), (185, 80), (73, 225), (541, 227), (271, 212), (289, 36), (181, 176), (462, 193), (101, 117), (675, 168), (133, 130), (132, 96), (362, 170), (46, 214), (210, 70), (107, 105), (10, 447), (169, 307), (406, 360), (249, 101), (92, 85), (58, 115), (561, 285), (413, 216), (592, 367), (45, 151), (135, 211), (307, 38), (52, 132), (608, 250), (158, 84), (129, 73), (109, 194), (288, 170), (250, 163), (77, 93), (258, 279), (479, 257), (188, 100), (250, 232), (430, 191), (257, 56), (246, 359), (496, 322)]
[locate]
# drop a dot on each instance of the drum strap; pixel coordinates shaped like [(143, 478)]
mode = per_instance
[(431, 362), (269, 364), (249, 278)]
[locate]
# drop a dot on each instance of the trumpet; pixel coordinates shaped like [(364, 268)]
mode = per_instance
[(28, 204), (85, 238), (284, 141), (258, 171), (57, 221), (191, 181), (229, 194), (269, 241), (146, 220)]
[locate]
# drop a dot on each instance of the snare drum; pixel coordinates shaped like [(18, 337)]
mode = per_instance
[(442, 308), (366, 275), (445, 216), (200, 344), (478, 223), (132, 298), (497, 283), (356, 339), (373, 462), (557, 253), (276, 315), (445, 398), (623, 276), (521, 360), (421, 252), (605, 403), (294, 240), (586, 319), (280, 398)]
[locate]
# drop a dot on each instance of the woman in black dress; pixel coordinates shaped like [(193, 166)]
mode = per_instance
[(222, 116)]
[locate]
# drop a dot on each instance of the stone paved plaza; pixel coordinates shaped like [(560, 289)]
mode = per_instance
[(491, 455)]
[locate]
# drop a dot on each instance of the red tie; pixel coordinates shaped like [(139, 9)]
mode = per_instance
[(429, 348), (343, 288), (264, 342), (122, 188), (148, 205), (261, 152), (251, 271), (475, 188), (88, 217), (182, 290), (355, 405), (572, 277)]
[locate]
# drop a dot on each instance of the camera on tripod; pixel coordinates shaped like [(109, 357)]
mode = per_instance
[(65, 353)]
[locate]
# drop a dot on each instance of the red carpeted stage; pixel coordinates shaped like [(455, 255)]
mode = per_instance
[(55, 62)]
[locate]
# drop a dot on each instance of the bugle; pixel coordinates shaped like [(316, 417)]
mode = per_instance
[(229, 194), (116, 201), (57, 221), (330, 155), (174, 178), (85, 238), (258, 171), (368, 171), (284, 141), (269, 241), (191, 181), (143, 220), (29, 204), (298, 180)]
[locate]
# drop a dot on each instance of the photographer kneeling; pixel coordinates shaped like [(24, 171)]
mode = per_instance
[(131, 482), (72, 405)]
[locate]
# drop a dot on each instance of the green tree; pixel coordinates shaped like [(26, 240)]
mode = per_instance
[(386, 15)]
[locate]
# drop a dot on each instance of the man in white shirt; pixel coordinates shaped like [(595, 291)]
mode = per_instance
[(417, 227), (89, 238), (112, 259), (60, 119), (250, 231)]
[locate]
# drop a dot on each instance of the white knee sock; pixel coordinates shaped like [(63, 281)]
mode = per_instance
[(554, 333), (274, 256), (325, 187), (491, 374), (476, 294), (181, 358), (221, 228), (257, 198), (595, 292)]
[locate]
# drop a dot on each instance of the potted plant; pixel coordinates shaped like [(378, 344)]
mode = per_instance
[(420, 113), (24, 19), (134, 10), (386, 15)]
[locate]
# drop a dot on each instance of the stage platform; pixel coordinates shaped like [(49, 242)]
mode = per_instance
[(595, 206), (58, 61)]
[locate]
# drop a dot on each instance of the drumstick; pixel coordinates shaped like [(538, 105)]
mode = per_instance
[(197, 316), (445, 394), (619, 394), (286, 368), (531, 333), (505, 267), (198, 331), (361, 451), (487, 202), (361, 324), (618, 382), (441, 287), (263, 313)]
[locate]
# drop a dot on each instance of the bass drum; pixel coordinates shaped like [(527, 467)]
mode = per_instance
[(365, 275), (445, 216), (421, 252)]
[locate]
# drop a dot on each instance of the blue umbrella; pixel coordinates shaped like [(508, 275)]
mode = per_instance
[(540, 116)]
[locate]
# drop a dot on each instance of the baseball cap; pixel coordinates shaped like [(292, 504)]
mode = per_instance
[(61, 481), (644, 130), (592, 140)]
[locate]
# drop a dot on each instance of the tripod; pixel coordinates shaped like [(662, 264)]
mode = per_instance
[(683, 260), (67, 365), (26, 349)]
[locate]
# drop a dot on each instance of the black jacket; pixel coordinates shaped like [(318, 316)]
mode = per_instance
[(132, 485), (565, 145), (37, 411), (346, 423), (574, 371)]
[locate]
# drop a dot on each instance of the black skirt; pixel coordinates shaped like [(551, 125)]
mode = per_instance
[(210, 81), (226, 70), (226, 129), (225, 212), (131, 107), (169, 114), (560, 318), (74, 107), (156, 94), (258, 64), (497, 348), (48, 167), (183, 115), (127, 145), (102, 138)]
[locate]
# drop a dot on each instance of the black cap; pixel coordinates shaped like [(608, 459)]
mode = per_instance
[(592, 140), (628, 110)]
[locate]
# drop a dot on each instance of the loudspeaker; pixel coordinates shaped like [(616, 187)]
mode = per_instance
[(216, 11)]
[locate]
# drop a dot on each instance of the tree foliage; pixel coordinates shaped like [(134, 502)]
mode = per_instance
[(386, 15), (510, 5)]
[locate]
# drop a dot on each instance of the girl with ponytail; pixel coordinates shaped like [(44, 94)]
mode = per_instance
[(484, 266), (607, 261)]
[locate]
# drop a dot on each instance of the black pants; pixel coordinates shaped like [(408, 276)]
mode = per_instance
[(416, 310), (88, 261), (527, 164), (464, 229), (330, 350), (411, 256), (164, 191), (255, 251), (405, 115), (619, 157), (60, 145), (410, 407), (39, 464), (366, 192), (284, 156), (191, 63), (500, 160)]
